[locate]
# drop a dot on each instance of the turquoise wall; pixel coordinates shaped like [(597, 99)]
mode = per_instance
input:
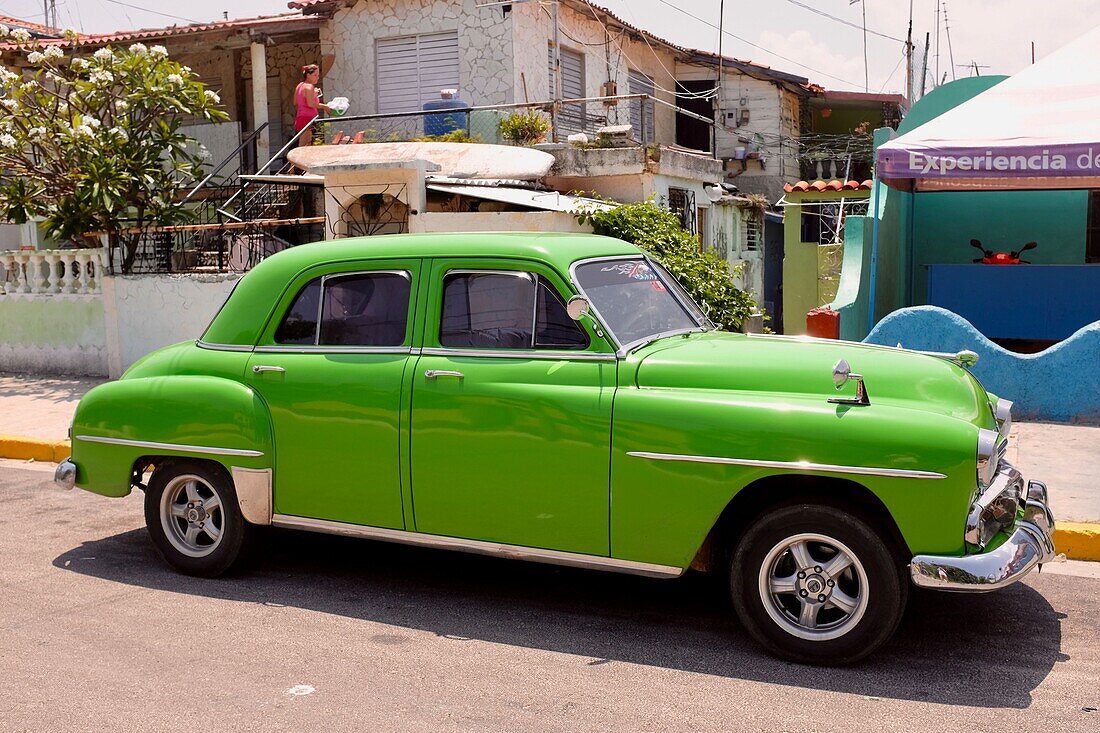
[(945, 222)]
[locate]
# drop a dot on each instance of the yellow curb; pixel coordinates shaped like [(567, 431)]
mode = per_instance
[(47, 451), (1078, 540)]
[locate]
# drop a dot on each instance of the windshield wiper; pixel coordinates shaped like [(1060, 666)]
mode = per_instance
[(646, 341)]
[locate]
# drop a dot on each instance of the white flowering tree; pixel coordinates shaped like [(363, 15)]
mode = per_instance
[(93, 145)]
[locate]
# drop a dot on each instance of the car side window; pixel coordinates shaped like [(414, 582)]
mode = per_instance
[(505, 310), (299, 326), (361, 309)]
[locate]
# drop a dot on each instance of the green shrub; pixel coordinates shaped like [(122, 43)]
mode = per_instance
[(705, 275), (525, 128)]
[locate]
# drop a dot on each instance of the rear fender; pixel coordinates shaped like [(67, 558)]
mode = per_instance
[(121, 424)]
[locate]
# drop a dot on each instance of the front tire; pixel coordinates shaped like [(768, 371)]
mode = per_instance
[(194, 519), (816, 585)]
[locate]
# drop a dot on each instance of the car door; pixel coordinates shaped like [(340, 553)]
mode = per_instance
[(330, 367), (511, 411)]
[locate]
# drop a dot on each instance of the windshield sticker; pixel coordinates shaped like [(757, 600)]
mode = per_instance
[(632, 270)]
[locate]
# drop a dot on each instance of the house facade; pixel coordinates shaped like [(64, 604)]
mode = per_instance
[(393, 56)]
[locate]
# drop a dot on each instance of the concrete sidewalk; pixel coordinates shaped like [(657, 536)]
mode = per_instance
[(35, 413)]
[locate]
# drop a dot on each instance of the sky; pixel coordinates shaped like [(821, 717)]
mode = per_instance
[(789, 35)]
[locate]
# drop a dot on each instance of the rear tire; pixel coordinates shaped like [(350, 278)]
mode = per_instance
[(194, 519), (817, 585)]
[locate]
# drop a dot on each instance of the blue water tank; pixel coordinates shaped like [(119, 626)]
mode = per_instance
[(441, 124)]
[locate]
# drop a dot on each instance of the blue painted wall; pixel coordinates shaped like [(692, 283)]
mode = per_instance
[(945, 222), (1061, 384)]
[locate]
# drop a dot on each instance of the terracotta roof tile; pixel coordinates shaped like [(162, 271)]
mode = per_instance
[(36, 28), (833, 185), (145, 34)]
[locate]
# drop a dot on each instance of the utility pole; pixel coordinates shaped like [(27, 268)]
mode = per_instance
[(556, 107), (947, 30), (909, 58), (866, 71), (1033, 52), (718, 86), (924, 65), (937, 75)]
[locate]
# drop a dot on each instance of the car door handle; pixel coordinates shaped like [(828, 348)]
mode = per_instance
[(258, 368), (433, 373)]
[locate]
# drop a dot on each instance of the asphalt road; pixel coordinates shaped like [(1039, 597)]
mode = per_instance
[(326, 633)]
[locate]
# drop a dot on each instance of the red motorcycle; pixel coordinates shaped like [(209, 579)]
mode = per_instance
[(989, 257)]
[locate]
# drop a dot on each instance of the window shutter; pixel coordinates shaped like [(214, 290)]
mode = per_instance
[(642, 84), (412, 69), (572, 117)]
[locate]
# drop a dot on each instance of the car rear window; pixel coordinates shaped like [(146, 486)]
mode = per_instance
[(360, 309)]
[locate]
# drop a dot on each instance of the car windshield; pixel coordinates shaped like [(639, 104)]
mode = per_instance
[(635, 299)]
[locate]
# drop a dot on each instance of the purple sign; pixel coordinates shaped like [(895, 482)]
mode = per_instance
[(1027, 161)]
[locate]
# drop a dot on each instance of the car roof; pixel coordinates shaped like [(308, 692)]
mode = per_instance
[(243, 316)]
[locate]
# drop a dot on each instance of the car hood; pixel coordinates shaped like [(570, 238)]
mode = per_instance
[(785, 365)]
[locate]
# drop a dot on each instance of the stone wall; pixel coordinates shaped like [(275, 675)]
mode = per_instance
[(484, 47)]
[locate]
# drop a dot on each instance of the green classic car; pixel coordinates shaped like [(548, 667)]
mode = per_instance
[(560, 398)]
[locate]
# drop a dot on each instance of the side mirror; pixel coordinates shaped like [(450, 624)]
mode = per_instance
[(578, 307), (842, 372)]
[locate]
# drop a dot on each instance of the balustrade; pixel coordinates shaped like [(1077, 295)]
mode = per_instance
[(52, 272)]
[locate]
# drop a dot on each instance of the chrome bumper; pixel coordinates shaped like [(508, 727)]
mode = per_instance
[(65, 474), (1029, 545)]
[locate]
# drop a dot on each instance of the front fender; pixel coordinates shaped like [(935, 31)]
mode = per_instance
[(186, 416), (663, 506)]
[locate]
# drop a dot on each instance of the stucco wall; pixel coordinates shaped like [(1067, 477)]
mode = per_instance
[(146, 312), (773, 114), (1061, 383), (498, 221), (52, 334), (484, 47), (583, 33)]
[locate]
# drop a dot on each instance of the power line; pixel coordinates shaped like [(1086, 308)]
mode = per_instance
[(756, 45), (848, 23), (706, 94), (154, 12)]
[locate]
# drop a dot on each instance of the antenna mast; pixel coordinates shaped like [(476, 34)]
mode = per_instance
[(49, 13)]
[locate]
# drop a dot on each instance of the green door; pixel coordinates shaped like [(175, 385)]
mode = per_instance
[(330, 367), (511, 412)]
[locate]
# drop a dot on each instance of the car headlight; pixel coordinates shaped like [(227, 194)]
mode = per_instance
[(988, 457), (994, 509)]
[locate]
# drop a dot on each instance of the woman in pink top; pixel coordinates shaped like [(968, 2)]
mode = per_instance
[(307, 100)]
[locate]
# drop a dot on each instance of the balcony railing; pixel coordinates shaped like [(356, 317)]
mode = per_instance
[(52, 272)]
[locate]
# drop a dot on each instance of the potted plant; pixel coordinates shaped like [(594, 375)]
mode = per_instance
[(524, 128)]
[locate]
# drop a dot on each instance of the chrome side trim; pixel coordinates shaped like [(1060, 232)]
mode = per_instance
[(253, 486), (173, 446), (333, 349), (222, 347), (494, 549), (792, 465), (519, 354)]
